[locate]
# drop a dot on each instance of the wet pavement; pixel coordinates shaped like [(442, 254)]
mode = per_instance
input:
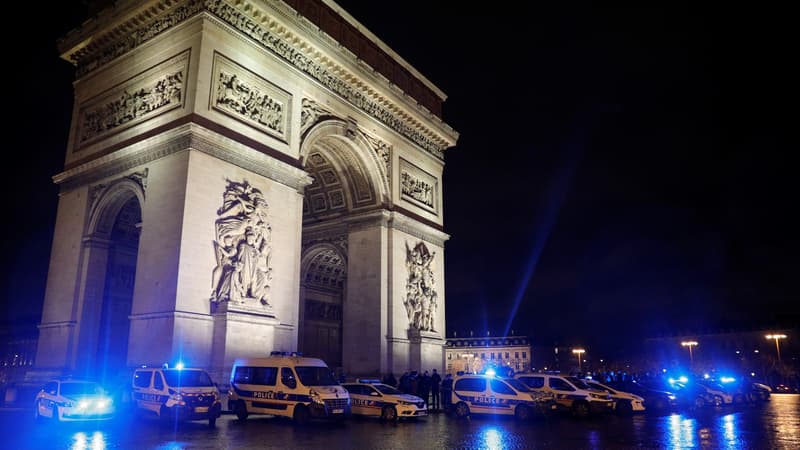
[(771, 425)]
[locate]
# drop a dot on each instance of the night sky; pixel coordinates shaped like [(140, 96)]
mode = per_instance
[(622, 172)]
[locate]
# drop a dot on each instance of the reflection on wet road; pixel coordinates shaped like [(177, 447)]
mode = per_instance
[(773, 425)]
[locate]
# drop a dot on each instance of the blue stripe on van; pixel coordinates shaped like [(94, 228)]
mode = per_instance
[(271, 395)]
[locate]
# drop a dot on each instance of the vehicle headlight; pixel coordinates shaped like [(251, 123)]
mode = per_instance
[(103, 404), (598, 396), (83, 404), (315, 397), (176, 396), (405, 403), (671, 397)]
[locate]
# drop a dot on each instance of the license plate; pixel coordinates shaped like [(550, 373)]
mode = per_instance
[(338, 411), (201, 409)]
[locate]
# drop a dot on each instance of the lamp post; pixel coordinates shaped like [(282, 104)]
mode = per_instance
[(690, 344), (777, 337), (579, 352)]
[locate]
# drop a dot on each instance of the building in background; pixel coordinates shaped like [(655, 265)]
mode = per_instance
[(476, 354)]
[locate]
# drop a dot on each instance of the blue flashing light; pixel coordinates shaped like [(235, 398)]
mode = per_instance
[(663, 370), (672, 380), (706, 376), (727, 379), (179, 365), (490, 372)]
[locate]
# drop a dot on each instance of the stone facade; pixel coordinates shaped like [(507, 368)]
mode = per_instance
[(250, 147)]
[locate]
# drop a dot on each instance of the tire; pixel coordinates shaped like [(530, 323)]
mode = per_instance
[(240, 409), (624, 408), (523, 413), (36, 416), (462, 410), (580, 409), (389, 413), (301, 415), (699, 403)]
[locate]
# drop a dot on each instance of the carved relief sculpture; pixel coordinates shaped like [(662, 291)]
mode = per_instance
[(243, 247), (245, 96), (417, 186), (421, 298)]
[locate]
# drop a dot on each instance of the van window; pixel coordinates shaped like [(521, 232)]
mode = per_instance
[(159, 383), (533, 382), (193, 378), (287, 378), (471, 384), (501, 388), (142, 379), (560, 385), (256, 375), (315, 376)]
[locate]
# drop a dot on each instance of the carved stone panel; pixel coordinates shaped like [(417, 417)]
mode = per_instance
[(243, 248), (421, 299), (418, 187), (243, 95), (151, 93)]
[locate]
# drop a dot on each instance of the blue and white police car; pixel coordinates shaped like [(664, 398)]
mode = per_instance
[(487, 394), (372, 398), (71, 400)]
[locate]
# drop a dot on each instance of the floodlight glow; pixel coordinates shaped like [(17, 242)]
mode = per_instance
[(683, 379), (490, 372), (179, 366), (705, 375), (727, 379)]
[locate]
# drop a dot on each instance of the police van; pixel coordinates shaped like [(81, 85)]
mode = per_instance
[(486, 394), (176, 393), (286, 384)]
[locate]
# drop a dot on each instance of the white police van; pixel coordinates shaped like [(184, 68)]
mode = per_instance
[(372, 398), (176, 393), (486, 394), (570, 393), (286, 384)]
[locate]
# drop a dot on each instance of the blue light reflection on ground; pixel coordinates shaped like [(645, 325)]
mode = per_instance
[(681, 432), (492, 438), (82, 441)]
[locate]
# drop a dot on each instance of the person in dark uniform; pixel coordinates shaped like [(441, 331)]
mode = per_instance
[(436, 381), (447, 390)]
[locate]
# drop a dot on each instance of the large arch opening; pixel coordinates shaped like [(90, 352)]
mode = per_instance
[(115, 244), (347, 181)]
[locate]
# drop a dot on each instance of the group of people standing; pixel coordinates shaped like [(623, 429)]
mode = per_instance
[(432, 388)]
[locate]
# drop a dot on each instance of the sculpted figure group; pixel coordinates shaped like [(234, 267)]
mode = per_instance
[(243, 247), (421, 298)]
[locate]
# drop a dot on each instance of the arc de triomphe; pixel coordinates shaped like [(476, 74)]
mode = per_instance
[(243, 177)]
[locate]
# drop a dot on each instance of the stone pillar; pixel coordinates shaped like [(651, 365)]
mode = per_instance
[(240, 331), (90, 303), (425, 351)]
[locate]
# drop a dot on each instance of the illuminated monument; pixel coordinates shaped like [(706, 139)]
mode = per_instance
[(242, 177)]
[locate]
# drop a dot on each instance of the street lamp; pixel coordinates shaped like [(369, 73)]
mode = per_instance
[(777, 337), (578, 352), (689, 344)]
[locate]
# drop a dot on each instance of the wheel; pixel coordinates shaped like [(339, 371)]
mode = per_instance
[(389, 413), (36, 415), (301, 415), (580, 409), (699, 402), (624, 407), (240, 409), (212, 421), (462, 410), (523, 413), (54, 414)]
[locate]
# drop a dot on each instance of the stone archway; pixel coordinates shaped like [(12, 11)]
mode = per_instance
[(323, 278), (111, 251)]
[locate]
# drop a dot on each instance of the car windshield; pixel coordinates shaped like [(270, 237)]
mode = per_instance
[(386, 389), (187, 378), (578, 383), (516, 384), (315, 376), (81, 388)]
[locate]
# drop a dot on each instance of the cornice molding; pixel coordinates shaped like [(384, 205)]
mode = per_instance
[(189, 136), (417, 229), (124, 30)]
